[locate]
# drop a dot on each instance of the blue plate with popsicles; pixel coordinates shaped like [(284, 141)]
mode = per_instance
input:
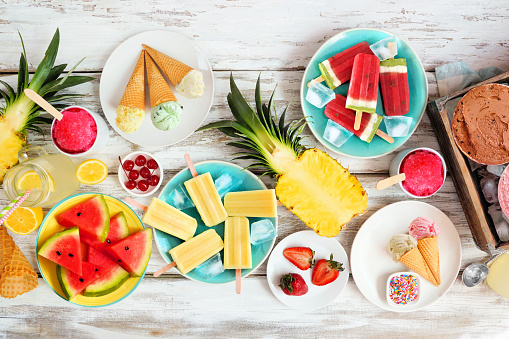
[(246, 181), (418, 88)]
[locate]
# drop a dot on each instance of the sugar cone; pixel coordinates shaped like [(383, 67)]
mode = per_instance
[(158, 87), (174, 69), (429, 250), (134, 94), (16, 274), (414, 260)]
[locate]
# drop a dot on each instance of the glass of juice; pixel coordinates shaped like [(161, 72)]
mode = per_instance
[(50, 177)]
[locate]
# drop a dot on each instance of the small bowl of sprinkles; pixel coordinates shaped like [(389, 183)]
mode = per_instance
[(403, 289)]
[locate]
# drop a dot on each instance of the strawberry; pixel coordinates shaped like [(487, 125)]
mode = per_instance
[(293, 284), (302, 257), (326, 271)]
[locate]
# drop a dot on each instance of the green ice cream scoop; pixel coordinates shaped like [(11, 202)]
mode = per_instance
[(166, 115)]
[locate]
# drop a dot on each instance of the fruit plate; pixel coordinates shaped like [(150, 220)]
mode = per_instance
[(317, 296), (372, 264), (250, 182), (116, 74), (50, 226), (418, 87)]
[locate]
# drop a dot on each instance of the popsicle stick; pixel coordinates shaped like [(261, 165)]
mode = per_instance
[(190, 165), (319, 79), (384, 136), (358, 118), (165, 268), (43, 103), (237, 280), (136, 204), (383, 184)]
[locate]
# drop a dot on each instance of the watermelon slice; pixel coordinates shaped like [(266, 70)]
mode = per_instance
[(133, 252), (109, 282), (91, 216), (118, 230), (72, 283), (64, 248)]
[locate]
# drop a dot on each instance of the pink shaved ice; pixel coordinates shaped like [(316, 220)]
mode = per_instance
[(75, 132), (424, 173), (423, 227)]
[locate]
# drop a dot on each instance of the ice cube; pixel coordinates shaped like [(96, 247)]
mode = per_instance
[(496, 169), (386, 48), (336, 134), (226, 183), (211, 267), (179, 198), (319, 95), (397, 126), (489, 187), (262, 231)]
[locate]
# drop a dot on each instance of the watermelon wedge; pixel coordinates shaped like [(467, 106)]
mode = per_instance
[(109, 282), (118, 230), (91, 216), (72, 283), (133, 252), (64, 248)]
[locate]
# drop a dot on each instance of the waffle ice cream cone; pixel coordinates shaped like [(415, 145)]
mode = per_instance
[(174, 69), (158, 87), (16, 274), (414, 260), (429, 250)]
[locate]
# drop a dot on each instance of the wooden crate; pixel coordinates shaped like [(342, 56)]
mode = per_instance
[(466, 182)]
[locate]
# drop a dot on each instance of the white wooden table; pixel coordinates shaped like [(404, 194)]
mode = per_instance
[(276, 38)]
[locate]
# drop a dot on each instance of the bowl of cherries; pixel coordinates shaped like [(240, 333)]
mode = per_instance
[(140, 173)]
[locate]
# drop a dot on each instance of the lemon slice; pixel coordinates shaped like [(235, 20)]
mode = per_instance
[(91, 172), (24, 220), (30, 180)]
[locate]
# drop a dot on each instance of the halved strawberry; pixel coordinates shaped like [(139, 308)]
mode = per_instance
[(293, 284), (302, 257), (326, 271)]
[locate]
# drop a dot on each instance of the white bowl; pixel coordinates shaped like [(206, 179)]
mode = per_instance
[(395, 166), (123, 178), (391, 302), (103, 134)]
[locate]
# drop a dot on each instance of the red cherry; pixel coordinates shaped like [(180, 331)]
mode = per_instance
[(140, 160), (130, 185), (128, 165), (145, 173), (143, 185), (154, 180), (152, 164), (134, 174)]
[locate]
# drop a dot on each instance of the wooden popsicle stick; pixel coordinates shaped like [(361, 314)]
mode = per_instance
[(384, 136), (165, 268), (237, 280), (383, 184), (358, 118), (136, 204), (319, 79), (190, 165), (43, 103)]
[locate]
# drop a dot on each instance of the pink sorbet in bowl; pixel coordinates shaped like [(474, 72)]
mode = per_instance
[(424, 173), (75, 132)]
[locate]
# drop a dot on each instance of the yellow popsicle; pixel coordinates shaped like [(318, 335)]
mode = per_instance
[(262, 203), (170, 220), (196, 250), (206, 199), (237, 248)]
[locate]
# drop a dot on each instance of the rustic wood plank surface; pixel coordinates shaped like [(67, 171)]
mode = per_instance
[(277, 38)]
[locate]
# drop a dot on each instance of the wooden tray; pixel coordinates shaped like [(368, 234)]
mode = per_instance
[(466, 182)]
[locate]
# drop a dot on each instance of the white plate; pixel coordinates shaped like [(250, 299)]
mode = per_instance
[(372, 264), (118, 69), (317, 296)]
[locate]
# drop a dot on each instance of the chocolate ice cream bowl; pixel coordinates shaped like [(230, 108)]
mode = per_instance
[(397, 161)]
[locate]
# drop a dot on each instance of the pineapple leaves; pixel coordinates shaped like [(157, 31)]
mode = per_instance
[(12, 94), (44, 68), (60, 84), (55, 73)]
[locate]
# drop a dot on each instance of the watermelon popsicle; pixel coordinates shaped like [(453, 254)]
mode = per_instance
[(394, 84), (363, 90), (337, 112)]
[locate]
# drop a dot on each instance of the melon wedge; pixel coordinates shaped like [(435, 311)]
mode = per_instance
[(109, 282), (91, 216), (133, 252), (64, 248), (118, 230), (72, 284)]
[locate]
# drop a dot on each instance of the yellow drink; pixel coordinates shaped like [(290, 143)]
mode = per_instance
[(498, 278)]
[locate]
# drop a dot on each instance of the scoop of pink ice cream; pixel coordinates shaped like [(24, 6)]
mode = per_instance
[(75, 132), (423, 227)]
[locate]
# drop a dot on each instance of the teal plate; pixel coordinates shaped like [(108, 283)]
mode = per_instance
[(250, 182), (418, 87)]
